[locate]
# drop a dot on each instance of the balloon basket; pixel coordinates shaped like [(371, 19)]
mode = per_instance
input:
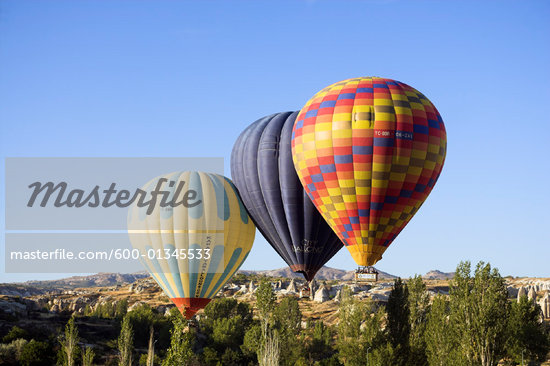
[(366, 275)]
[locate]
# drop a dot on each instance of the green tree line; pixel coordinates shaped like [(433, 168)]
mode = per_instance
[(476, 324)]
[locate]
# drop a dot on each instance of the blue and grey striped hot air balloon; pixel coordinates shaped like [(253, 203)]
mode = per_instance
[(263, 171)]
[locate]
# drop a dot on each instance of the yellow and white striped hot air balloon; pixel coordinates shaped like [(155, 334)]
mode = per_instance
[(194, 239)]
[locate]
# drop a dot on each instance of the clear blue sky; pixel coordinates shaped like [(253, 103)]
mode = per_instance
[(173, 78)]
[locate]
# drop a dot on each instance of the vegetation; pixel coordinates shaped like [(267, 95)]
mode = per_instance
[(69, 343), (180, 351), (360, 333), (474, 325), (526, 332), (399, 328), (125, 342), (419, 306), (88, 355), (14, 333), (441, 347), (35, 353)]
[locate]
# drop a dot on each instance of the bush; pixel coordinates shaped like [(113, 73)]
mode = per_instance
[(181, 347), (143, 360), (320, 347), (10, 353), (287, 319), (36, 353), (14, 333), (143, 317), (224, 323)]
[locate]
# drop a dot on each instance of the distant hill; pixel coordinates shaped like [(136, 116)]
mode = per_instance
[(113, 279), (438, 275), (95, 280), (31, 288), (325, 273)]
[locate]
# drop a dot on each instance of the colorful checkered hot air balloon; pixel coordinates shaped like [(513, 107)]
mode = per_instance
[(194, 243), (368, 151)]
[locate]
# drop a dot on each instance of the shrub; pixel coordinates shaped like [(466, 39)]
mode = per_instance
[(36, 353), (14, 333)]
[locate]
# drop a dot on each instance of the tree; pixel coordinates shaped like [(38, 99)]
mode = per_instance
[(181, 350), (479, 313), (265, 299), (439, 337), (151, 348), (35, 353), (419, 302), (252, 341), (69, 343), (11, 353), (359, 330), (320, 347), (268, 353), (228, 333), (88, 310), (526, 332), (87, 356), (141, 319), (383, 355), (287, 320), (104, 310), (225, 308), (125, 342), (351, 314), (287, 316), (15, 333), (224, 323), (399, 327), (143, 361), (121, 308)]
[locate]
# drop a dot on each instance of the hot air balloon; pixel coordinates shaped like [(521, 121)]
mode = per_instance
[(262, 169), (196, 237), (368, 151)]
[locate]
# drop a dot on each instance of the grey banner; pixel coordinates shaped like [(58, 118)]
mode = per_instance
[(71, 215), (83, 174)]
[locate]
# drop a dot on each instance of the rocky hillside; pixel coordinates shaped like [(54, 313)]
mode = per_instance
[(438, 275), (50, 298), (34, 288), (324, 274), (96, 280)]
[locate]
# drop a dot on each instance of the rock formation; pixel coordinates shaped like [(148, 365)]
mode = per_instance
[(292, 287), (521, 292), (12, 306), (312, 288), (338, 296), (532, 295), (545, 305), (321, 295)]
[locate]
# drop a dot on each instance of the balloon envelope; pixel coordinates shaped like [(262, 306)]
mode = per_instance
[(192, 250), (262, 169), (368, 152)]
